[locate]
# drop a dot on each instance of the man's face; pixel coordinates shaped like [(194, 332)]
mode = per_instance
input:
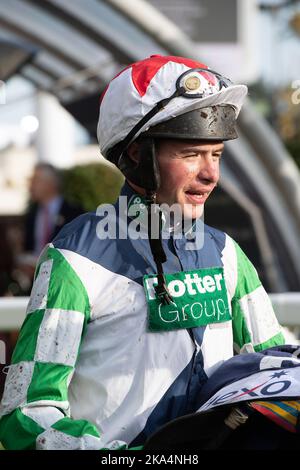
[(189, 172), (42, 186)]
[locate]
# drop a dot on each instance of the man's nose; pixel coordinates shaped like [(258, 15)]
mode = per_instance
[(209, 170)]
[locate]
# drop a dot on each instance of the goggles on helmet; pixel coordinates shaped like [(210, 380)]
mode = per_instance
[(193, 83), (201, 83)]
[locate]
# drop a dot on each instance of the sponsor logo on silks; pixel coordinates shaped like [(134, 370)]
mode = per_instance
[(199, 298), (264, 385)]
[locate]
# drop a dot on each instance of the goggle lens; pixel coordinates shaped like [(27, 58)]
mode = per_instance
[(200, 83)]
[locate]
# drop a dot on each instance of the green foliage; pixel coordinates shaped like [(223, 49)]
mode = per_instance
[(91, 185)]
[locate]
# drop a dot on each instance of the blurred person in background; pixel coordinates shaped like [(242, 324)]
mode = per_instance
[(48, 213), (8, 287), (10, 248), (6, 265)]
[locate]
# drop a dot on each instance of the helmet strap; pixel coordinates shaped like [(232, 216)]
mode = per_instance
[(146, 174), (157, 250)]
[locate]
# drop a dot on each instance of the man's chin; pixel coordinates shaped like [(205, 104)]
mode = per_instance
[(193, 211), (184, 210)]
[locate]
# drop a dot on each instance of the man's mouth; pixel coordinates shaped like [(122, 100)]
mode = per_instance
[(196, 197)]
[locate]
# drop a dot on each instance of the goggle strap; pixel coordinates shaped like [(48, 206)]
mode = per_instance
[(158, 107)]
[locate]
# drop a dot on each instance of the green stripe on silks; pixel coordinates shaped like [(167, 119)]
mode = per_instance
[(18, 431), (241, 333), (76, 428), (248, 279), (276, 340), (240, 330), (66, 290), (49, 382), (247, 282), (26, 345)]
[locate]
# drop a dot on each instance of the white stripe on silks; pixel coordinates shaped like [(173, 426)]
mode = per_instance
[(246, 348), (229, 259), (275, 362), (62, 405), (259, 315), (52, 439), (59, 337), (16, 386), (39, 293), (216, 345), (124, 391), (104, 285), (44, 416), (221, 333)]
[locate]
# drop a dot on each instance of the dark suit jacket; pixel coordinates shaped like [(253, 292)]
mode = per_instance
[(66, 213)]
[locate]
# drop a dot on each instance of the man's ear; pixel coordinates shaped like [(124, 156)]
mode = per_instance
[(133, 151)]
